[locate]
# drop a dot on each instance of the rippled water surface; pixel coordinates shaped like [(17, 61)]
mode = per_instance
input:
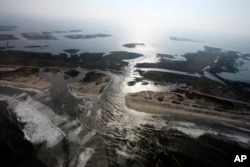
[(68, 130), (78, 131)]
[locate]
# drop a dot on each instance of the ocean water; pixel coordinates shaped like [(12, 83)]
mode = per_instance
[(62, 129), (156, 39)]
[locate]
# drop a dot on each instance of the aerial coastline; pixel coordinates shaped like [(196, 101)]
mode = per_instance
[(23, 77), (92, 85), (219, 95)]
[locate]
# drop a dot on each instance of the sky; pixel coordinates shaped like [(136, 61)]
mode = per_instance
[(221, 16)]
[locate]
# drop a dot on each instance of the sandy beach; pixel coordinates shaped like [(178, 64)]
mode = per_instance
[(179, 104), (23, 77), (92, 85)]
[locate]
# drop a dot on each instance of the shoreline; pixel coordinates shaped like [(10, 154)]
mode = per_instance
[(147, 102), (92, 85), (23, 77), (26, 85)]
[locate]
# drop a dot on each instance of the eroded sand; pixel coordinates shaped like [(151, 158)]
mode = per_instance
[(92, 85), (23, 77), (187, 105)]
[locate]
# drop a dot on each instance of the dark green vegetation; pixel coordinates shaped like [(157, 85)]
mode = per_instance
[(87, 36), (38, 36), (132, 45), (112, 62), (4, 37)]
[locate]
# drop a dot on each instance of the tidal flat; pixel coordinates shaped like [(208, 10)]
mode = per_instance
[(96, 102)]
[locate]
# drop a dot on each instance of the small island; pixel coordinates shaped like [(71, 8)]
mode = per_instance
[(5, 37), (87, 36), (38, 36), (133, 45), (8, 28), (184, 39), (58, 31), (37, 46), (165, 56), (76, 30)]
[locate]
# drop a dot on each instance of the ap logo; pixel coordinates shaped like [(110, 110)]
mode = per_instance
[(240, 158)]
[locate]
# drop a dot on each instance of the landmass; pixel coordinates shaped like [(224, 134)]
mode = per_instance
[(70, 73), (8, 28), (60, 31), (92, 85), (38, 36), (184, 39), (87, 36), (132, 45), (190, 103), (214, 59), (194, 97), (47, 33), (76, 30), (5, 37), (200, 95), (53, 70), (165, 56), (112, 61), (37, 46), (23, 77)]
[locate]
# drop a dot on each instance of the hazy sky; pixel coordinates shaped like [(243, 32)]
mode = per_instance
[(228, 16)]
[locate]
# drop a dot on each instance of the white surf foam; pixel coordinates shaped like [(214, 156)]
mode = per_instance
[(192, 130), (240, 128), (124, 154), (84, 157), (240, 139), (87, 137), (38, 128), (25, 89)]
